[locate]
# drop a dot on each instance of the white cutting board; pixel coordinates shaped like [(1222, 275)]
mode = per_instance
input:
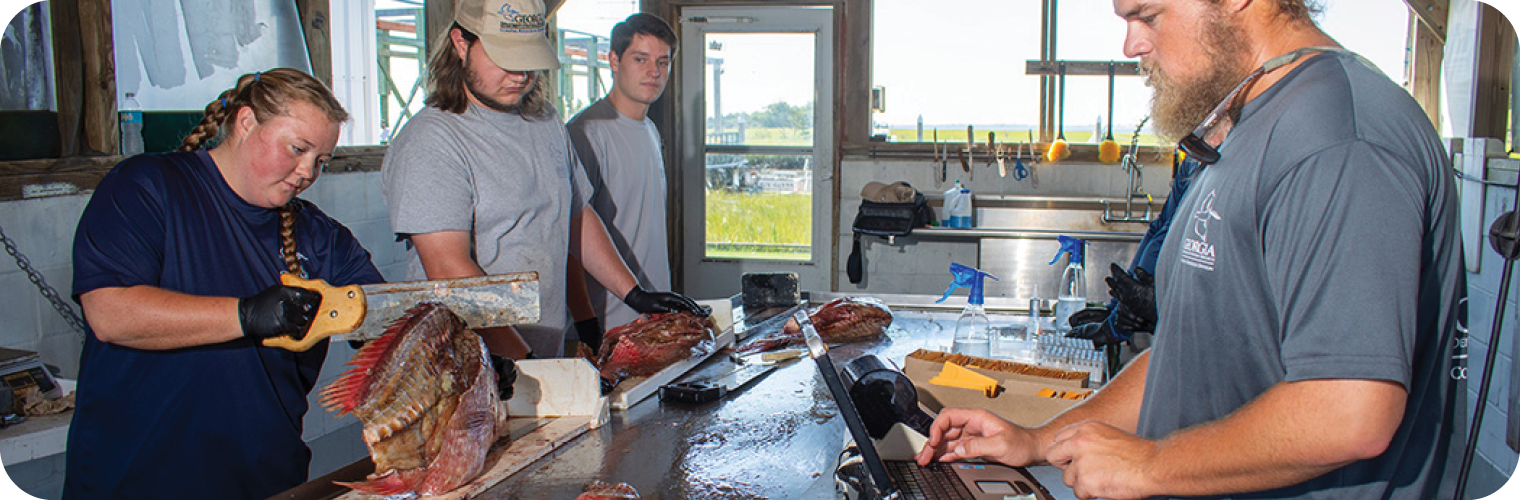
[(635, 389)]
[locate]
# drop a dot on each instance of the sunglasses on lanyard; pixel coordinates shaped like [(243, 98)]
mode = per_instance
[(1202, 144)]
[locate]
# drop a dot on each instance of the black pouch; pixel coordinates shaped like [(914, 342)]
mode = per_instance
[(885, 219)]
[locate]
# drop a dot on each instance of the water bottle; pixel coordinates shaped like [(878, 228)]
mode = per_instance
[(131, 126)]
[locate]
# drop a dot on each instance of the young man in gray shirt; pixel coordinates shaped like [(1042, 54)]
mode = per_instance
[(620, 148), (1306, 299), (483, 181)]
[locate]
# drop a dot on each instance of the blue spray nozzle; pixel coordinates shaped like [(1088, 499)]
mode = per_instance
[(1074, 247), (966, 277)]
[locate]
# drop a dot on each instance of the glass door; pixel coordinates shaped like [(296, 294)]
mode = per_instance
[(756, 144)]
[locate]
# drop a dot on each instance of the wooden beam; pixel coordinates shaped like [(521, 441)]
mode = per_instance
[(1496, 57), (852, 83), (316, 29), (1431, 13), (437, 16), (85, 68), (1427, 49)]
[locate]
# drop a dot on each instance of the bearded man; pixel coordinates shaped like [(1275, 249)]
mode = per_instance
[(1326, 191), (484, 180)]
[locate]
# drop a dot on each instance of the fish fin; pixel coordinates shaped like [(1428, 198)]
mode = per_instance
[(348, 391), (390, 483)]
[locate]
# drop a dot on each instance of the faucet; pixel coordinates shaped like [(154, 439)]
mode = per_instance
[(1136, 189)]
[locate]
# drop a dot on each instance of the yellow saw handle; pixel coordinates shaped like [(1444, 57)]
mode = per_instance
[(341, 311)]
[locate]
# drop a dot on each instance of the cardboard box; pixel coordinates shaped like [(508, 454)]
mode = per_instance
[(1016, 402)]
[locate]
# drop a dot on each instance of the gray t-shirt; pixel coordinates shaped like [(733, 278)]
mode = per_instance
[(513, 183), (627, 173), (1322, 246)]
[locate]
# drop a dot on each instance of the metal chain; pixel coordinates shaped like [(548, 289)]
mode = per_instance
[(63, 308)]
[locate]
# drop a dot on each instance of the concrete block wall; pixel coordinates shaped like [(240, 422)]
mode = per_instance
[(920, 265), (43, 230), (1494, 462)]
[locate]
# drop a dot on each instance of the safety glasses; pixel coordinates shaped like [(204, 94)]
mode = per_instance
[(1202, 144)]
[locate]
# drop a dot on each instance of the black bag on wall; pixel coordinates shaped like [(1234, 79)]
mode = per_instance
[(885, 219)]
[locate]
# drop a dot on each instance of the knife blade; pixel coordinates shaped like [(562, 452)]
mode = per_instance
[(362, 312)]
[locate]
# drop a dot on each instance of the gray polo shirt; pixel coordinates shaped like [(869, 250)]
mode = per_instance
[(514, 184), (1322, 246), (623, 161)]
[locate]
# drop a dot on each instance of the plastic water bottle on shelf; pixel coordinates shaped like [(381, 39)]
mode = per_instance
[(971, 330), (1073, 293), (131, 126), (957, 207)]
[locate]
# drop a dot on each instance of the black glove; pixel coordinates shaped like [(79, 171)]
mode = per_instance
[(278, 310), (1097, 332), (506, 374), (590, 332), (661, 302), (1137, 298)]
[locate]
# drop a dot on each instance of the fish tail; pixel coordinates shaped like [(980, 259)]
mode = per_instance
[(390, 483)]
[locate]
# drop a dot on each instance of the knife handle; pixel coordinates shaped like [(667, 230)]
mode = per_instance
[(341, 311)]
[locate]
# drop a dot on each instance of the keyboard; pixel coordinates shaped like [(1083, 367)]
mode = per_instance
[(937, 481)]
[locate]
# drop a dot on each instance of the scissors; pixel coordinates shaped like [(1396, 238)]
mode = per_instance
[(1019, 172)]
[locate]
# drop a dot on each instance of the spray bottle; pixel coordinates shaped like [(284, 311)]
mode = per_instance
[(1072, 296), (971, 329)]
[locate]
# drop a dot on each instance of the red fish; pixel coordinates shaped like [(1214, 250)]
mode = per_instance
[(653, 342), (427, 397), (847, 319)]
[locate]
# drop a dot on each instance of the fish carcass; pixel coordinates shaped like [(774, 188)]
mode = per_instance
[(847, 319), (653, 342), (427, 396)]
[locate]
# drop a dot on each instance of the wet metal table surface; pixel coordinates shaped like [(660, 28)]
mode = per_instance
[(777, 439)]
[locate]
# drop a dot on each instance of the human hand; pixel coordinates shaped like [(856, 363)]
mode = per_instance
[(589, 331), (1137, 298), (1098, 460), (1097, 332), (648, 302), (962, 433), (278, 310), (506, 374)]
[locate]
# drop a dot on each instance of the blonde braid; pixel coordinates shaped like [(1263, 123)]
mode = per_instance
[(288, 237)]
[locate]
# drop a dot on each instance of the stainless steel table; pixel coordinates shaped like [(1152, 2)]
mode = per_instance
[(778, 439)]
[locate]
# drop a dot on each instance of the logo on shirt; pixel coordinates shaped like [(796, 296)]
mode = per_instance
[(1196, 249)]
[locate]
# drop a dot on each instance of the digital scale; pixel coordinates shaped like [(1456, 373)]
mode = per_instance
[(21, 370)]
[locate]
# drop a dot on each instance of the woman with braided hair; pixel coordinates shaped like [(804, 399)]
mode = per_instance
[(177, 260)]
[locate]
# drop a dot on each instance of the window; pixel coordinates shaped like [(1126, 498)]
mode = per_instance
[(585, 31)]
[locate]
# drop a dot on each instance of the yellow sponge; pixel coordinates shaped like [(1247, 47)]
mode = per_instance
[(1058, 151), (1108, 152), (954, 375)]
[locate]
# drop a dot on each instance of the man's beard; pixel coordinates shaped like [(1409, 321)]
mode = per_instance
[(473, 85), (1179, 106)]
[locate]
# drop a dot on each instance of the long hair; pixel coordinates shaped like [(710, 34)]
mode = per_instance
[(268, 94), (448, 76)]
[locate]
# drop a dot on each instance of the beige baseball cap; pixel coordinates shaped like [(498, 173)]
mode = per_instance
[(513, 32)]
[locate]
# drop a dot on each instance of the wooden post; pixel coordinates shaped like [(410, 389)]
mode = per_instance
[(85, 70), (317, 31), (1496, 56), (1427, 48), (437, 16)]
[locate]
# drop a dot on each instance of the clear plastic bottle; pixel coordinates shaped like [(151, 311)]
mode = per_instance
[(971, 330), (1072, 296), (131, 125)]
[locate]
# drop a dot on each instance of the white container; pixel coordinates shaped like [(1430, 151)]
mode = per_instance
[(957, 207)]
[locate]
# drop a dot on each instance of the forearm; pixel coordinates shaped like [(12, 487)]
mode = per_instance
[(593, 247), (446, 254), (145, 317), (1292, 433), (576, 294)]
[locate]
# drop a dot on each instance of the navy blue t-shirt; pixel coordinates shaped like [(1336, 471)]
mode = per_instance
[(218, 421)]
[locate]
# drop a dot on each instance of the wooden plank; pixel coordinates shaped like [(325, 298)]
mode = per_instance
[(437, 16), (1496, 56), (508, 458), (632, 390), (1432, 14), (68, 74), (1427, 48), (315, 28), (99, 113)]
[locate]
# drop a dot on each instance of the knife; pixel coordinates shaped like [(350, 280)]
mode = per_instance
[(363, 312), (713, 389)]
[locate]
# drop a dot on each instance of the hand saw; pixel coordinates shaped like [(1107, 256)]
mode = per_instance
[(362, 312)]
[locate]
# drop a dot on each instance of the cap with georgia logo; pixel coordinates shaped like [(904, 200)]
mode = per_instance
[(513, 32)]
